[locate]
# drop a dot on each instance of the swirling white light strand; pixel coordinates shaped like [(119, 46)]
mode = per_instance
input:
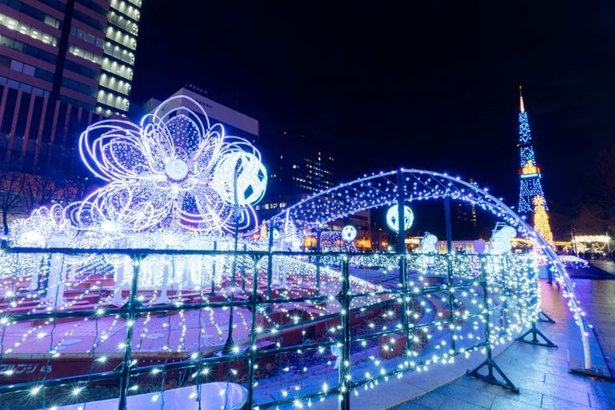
[(173, 163), (42, 226), (33, 231)]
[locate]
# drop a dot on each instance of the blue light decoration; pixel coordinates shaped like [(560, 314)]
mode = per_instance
[(529, 172), (147, 283), (392, 216)]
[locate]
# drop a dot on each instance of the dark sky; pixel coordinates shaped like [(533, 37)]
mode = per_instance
[(430, 85)]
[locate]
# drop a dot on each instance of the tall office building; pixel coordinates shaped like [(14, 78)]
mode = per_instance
[(64, 64), (299, 168), (296, 170)]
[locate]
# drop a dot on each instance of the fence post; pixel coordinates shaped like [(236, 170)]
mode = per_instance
[(489, 363), (344, 369), (213, 271), (130, 315), (449, 271), (253, 340), (270, 260), (318, 233), (532, 279)]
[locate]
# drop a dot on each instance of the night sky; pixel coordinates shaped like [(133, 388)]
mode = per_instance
[(431, 86)]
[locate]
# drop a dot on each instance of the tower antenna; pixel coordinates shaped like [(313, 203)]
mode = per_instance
[(529, 172)]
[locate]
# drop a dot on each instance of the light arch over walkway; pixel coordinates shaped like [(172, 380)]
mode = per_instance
[(383, 189), (378, 190)]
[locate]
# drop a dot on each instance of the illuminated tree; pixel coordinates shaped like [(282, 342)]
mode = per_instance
[(12, 203), (596, 214), (22, 193), (541, 219)]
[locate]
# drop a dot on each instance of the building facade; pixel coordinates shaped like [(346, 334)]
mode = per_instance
[(296, 170), (64, 64), (235, 123)]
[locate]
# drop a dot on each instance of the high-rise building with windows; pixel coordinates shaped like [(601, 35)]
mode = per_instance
[(118, 56), (63, 65), (303, 172), (297, 170)]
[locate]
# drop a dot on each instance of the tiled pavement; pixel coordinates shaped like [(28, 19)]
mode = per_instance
[(541, 373)]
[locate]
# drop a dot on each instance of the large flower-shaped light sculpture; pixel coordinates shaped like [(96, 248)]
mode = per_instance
[(173, 169)]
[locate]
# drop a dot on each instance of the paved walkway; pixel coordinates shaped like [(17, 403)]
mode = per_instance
[(542, 373)]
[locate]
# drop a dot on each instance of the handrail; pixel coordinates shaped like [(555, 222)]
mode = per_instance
[(369, 316)]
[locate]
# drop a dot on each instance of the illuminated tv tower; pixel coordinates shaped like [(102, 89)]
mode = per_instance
[(529, 172)]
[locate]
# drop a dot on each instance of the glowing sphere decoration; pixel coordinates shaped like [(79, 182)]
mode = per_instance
[(349, 233), (176, 169), (250, 174), (392, 216)]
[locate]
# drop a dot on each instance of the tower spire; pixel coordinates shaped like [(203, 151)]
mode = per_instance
[(529, 172)]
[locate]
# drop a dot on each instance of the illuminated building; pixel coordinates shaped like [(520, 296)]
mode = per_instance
[(529, 172), (235, 123), (299, 169), (465, 219), (296, 171), (64, 64)]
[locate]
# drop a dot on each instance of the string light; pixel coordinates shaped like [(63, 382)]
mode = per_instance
[(173, 168), (529, 173), (197, 291)]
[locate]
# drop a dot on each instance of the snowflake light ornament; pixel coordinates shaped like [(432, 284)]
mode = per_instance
[(173, 169)]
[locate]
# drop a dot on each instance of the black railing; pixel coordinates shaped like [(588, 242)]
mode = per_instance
[(117, 323)]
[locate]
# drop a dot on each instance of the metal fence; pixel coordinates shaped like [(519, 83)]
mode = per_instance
[(280, 328)]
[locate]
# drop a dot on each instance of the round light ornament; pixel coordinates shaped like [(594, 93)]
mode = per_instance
[(176, 169), (251, 178), (349, 233), (392, 216)]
